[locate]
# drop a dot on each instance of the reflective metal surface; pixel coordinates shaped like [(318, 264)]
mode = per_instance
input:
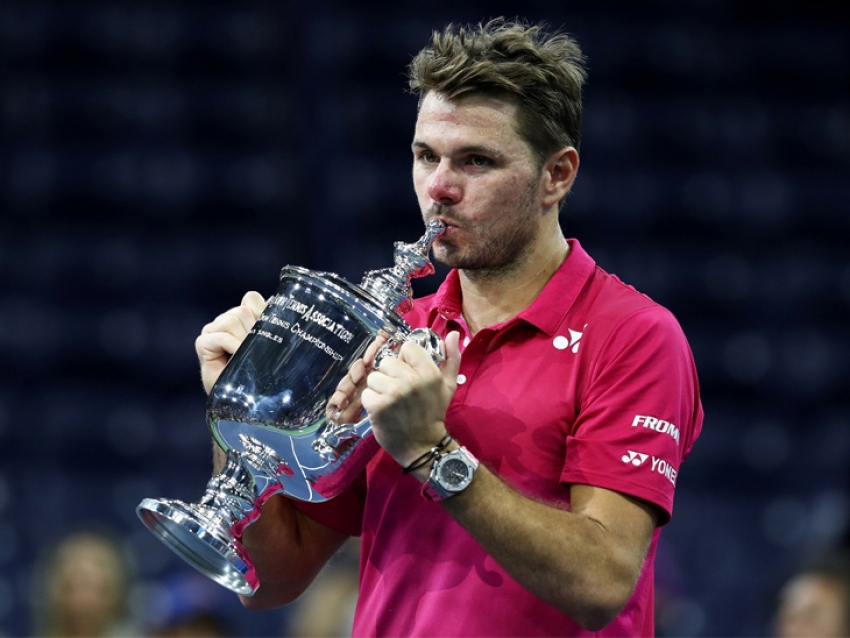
[(269, 408)]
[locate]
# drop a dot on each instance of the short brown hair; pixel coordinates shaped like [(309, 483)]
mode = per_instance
[(542, 73)]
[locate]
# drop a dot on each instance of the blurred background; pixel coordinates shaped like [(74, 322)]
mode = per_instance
[(159, 159)]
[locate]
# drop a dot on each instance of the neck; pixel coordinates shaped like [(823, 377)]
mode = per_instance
[(494, 296)]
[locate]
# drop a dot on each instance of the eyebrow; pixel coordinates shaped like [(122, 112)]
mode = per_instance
[(471, 149)]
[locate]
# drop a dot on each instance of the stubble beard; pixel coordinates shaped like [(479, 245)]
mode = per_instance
[(492, 259)]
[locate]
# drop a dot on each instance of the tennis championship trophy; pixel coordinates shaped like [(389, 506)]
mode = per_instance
[(269, 408)]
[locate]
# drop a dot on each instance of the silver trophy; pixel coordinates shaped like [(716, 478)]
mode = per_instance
[(269, 408)]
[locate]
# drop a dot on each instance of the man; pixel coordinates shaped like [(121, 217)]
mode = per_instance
[(815, 602), (574, 397)]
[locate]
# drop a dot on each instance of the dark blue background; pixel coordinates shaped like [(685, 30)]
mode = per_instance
[(159, 159)]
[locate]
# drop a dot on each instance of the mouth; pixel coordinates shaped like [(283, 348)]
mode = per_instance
[(449, 224), (450, 229)]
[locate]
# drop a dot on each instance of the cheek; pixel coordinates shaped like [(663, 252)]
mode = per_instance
[(420, 185), (502, 196)]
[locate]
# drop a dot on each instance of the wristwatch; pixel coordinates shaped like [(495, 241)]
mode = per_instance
[(451, 473)]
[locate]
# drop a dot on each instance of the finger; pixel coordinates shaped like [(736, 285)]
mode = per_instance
[(416, 357), (451, 366), (214, 351), (214, 345), (357, 373), (352, 413), (345, 391), (336, 404), (254, 302), (342, 409), (372, 350), (373, 402), (237, 321), (391, 366), (394, 379), (346, 395)]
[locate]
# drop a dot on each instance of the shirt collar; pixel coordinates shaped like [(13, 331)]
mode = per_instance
[(552, 304)]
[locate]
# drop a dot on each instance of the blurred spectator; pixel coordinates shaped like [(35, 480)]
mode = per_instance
[(816, 601), (81, 589), (190, 605)]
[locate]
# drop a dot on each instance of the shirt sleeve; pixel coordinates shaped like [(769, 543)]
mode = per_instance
[(639, 413)]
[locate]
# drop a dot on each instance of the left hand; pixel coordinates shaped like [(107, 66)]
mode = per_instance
[(344, 405), (407, 399)]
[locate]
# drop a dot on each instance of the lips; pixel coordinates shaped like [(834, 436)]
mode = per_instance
[(450, 225), (448, 233)]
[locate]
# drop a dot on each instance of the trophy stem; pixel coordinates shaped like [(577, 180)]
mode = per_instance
[(392, 285), (207, 535)]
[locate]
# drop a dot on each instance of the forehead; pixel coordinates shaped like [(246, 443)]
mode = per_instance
[(474, 119)]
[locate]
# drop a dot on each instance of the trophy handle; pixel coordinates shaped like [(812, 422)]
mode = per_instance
[(424, 337)]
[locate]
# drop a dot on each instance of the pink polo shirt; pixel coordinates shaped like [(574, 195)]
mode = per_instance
[(594, 383)]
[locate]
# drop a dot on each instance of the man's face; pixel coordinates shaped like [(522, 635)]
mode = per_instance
[(473, 171), (812, 606)]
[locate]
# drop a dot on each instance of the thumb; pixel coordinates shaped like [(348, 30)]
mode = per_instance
[(254, 302)]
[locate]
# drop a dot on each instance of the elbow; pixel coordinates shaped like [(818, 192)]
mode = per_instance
[(598, 610), (268, 599), (252, 603), (596, 617)]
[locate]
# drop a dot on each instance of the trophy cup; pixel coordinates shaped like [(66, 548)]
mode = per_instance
[(269, 408)]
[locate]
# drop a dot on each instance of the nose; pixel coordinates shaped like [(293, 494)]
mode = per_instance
[(444, 185)]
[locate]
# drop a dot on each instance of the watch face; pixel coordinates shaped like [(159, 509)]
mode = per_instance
[(451, 474), (454, 473)]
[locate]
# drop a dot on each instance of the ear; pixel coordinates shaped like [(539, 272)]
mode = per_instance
[(559, 173)]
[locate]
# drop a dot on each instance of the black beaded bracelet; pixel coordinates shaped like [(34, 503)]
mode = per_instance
[(429, 456)]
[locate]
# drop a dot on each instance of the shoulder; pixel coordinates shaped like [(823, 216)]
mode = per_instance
[(611, 303), (622, 325)]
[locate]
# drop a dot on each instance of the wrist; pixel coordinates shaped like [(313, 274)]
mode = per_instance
[(421, 465)]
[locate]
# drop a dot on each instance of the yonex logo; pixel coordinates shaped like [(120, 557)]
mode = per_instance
[(572, 342), (635, 458), (658, 465)]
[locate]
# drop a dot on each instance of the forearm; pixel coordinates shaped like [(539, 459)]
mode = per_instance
[(287, 548), (570, 560)]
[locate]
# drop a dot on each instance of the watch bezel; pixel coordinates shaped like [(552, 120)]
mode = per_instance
[(437, 487)]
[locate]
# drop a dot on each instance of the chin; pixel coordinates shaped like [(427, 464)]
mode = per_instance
[(445, 255)]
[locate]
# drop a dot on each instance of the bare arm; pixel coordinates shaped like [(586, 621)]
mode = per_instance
[(287, 547), (584, 562)]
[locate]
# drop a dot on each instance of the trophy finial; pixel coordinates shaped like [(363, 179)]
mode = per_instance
[(392, 285)]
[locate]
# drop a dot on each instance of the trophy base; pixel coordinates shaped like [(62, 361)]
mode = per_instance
[(183, 528)]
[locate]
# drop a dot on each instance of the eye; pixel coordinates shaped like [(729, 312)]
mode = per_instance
[(479, 160), (428, 157)]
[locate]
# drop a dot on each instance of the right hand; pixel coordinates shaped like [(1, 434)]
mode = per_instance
[(220, 338)]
